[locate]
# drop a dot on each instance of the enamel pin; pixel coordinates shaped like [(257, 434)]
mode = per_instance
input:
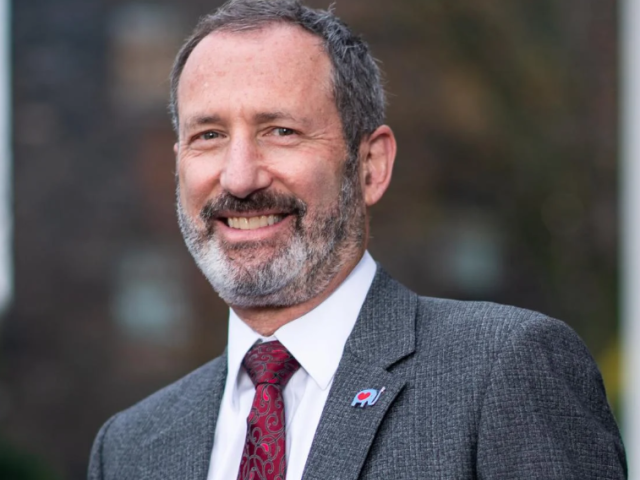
[(367, 397)]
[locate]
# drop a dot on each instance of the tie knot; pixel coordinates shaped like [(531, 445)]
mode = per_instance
[(271, 363)]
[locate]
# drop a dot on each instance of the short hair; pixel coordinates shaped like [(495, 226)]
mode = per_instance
[(356, 79)]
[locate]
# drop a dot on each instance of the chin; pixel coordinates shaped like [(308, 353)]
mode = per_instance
[(289, 278)]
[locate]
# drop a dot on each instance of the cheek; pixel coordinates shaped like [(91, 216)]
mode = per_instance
[(316, 184), (197, 181), (313, 172)]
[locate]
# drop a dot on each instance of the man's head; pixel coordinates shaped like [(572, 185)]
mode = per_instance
[(355, 78), (278, 153)]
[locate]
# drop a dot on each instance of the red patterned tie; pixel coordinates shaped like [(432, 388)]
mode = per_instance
[(270, 367)]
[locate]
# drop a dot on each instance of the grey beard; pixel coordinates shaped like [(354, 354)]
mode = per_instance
[(296, 272)]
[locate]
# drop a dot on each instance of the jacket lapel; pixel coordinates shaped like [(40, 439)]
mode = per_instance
[(383, 335), (182, 449)]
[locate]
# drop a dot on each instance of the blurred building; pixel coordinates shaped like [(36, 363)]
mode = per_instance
[(505, 190)]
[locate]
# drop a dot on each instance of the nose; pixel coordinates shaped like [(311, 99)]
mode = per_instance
[(243, 172)]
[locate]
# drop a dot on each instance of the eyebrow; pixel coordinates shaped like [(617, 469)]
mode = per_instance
[(261, 117), (201, 120), (265, 117)]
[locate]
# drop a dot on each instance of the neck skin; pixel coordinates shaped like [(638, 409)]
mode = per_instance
[(266, 320)]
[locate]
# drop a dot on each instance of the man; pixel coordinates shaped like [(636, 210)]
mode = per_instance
[(334, 370)]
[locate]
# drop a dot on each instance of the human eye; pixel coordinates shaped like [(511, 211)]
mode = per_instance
[(204, 139), (208, 135), (283, 132)]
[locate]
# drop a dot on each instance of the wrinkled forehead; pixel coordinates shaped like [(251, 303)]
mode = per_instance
[(279, 57)]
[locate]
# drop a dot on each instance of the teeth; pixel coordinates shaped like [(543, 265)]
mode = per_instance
[(252, 223)]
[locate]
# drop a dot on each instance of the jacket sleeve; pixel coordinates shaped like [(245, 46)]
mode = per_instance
[(96, 461), (545, 413)]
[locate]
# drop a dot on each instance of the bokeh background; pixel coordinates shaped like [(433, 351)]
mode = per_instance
[(505, 189)]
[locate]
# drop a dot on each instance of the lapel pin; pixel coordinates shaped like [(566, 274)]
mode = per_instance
[(367, 397)]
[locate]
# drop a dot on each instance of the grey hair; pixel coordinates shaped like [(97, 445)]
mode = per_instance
[(357, 85)]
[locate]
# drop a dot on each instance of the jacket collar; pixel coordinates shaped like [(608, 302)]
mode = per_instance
[(385, 331), (383, 335)]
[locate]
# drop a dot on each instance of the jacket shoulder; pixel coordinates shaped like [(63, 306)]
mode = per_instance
[(505, 370), (492, 325), (155, 413), (178, 394)]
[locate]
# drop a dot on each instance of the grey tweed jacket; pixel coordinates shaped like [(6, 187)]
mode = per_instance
[(472, 390)]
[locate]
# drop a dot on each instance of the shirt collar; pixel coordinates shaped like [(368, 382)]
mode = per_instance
[(316, 339)]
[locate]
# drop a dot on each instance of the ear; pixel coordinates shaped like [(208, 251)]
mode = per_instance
[(378, 152), (175, 148)]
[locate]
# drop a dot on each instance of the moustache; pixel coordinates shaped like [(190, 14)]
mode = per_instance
[(257, 201)]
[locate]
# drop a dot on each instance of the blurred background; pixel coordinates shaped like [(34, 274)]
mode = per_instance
[(505, 189)]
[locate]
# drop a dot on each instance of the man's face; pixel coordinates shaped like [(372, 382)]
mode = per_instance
[(268, 204)]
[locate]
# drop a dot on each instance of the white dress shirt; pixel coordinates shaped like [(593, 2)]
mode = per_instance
[(316, 340)]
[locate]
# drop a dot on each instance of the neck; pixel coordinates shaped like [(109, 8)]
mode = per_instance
[(266, 320)]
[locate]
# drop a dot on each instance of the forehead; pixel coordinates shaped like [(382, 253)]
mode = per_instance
[(279, 60)]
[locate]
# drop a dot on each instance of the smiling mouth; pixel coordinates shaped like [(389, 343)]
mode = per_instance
[(253, 223)]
